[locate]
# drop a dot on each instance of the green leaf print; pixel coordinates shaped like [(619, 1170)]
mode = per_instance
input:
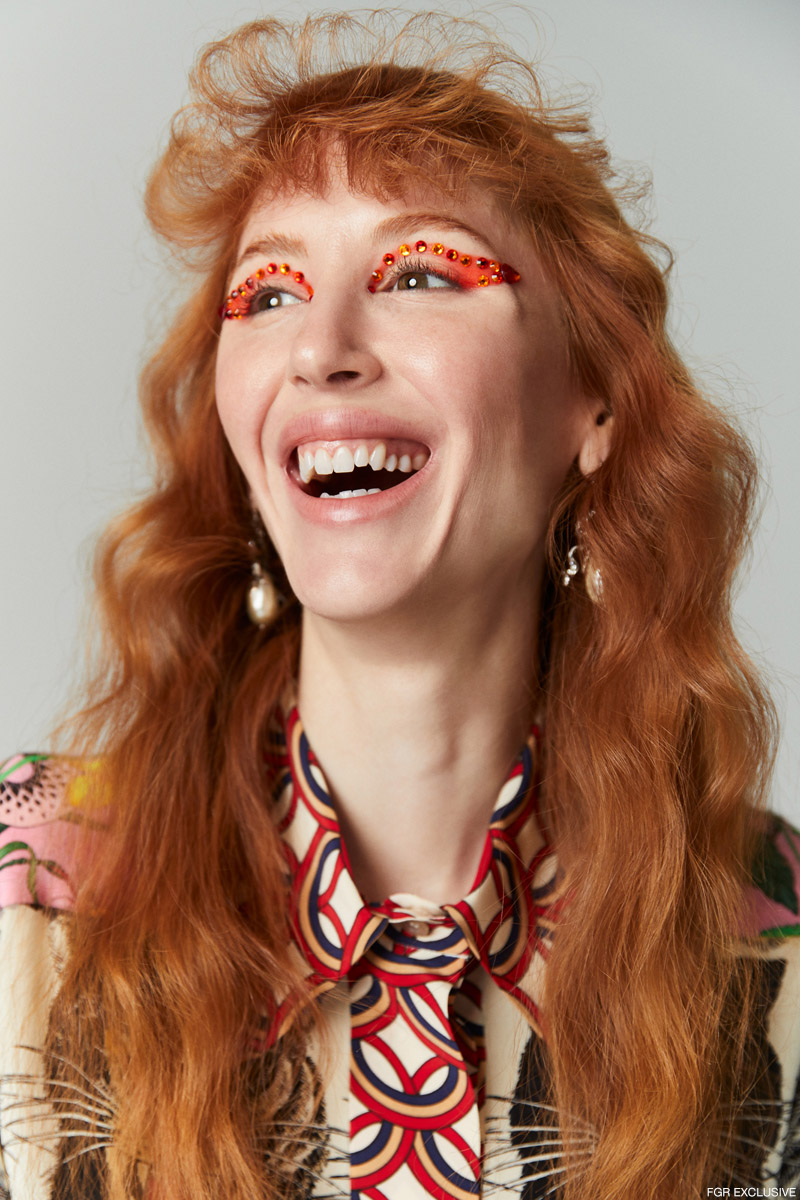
[(773, 874), (15, 764), (10, 848), (32, 862)]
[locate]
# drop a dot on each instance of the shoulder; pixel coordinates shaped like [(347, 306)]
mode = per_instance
[(40, 815), (772, 930), (774, 898)]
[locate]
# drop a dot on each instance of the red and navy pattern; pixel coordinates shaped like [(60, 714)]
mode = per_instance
[(413, 970), (444, 1077)]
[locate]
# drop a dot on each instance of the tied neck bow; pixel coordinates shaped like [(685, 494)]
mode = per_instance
[(414, 970)]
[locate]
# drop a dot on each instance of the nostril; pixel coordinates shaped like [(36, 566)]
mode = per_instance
[(342, 376)]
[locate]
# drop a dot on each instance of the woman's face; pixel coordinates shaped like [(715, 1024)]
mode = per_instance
[(464, 389)]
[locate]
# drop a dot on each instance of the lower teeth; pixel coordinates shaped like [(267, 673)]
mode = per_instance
[(349, 495)]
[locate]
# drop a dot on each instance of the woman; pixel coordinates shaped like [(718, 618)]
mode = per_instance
[(442, 872)]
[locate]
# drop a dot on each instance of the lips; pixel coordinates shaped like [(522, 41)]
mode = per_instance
[(365, 466), (349, 451)]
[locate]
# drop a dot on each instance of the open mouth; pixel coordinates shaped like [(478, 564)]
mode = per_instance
[(344, 470)]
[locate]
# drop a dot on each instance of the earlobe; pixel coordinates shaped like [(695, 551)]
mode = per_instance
[(597, 443)]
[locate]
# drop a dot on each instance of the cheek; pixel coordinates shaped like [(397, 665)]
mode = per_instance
[(524, 388), (538, 418), (554, 405), (241, 404), (474, 366)]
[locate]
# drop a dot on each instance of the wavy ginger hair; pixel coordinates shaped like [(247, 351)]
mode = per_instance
[(657, 734)]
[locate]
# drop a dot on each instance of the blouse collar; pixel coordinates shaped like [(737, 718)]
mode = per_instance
[(506, 919)]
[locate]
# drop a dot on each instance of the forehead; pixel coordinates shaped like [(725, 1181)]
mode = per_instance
[(337, 214)]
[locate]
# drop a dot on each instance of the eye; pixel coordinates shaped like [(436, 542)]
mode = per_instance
[(412, 275), (420, 281), (258, 292), (269, 298), (438, 267)]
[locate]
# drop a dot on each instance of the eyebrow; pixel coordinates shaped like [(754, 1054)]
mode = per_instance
[(282, 245), (392, 228), (399, 226)]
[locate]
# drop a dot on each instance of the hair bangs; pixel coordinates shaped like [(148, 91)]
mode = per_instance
[(659, 734)]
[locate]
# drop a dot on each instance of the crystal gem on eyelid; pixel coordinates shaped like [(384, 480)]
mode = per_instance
[(499, 273), (421, 247)]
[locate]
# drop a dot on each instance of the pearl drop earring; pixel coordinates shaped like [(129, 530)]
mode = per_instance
[(263, 601)]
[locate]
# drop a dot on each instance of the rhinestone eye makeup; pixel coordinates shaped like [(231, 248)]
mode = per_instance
[(467, 270), (241, 301)]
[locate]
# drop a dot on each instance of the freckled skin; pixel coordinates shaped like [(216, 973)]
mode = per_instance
[(420, 607), (480, 372)]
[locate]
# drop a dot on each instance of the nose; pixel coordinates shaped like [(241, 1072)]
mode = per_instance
[(331, 349)]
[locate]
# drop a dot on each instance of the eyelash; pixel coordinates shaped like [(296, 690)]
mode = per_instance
[(413, 266), (475, 270), (240, 302)]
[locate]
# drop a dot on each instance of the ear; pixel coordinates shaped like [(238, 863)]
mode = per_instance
[(597, 442)]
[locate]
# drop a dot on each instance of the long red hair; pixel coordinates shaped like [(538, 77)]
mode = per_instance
[(658, 734)]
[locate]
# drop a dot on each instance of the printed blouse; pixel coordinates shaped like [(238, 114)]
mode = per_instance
[(435, 1086)]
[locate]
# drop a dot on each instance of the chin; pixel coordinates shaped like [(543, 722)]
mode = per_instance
[(349, 596)]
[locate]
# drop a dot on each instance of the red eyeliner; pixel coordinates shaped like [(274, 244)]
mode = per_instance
[(237, 305), (472, 270)]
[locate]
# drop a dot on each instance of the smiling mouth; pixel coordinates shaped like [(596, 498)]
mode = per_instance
[(343, 470)]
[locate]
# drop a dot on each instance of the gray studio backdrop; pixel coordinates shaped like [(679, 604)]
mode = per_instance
[(702, 93)]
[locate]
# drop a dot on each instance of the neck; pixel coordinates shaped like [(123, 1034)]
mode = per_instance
[(416, 725)]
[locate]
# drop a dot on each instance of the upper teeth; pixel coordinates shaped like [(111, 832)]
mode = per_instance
[(342, 458)]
